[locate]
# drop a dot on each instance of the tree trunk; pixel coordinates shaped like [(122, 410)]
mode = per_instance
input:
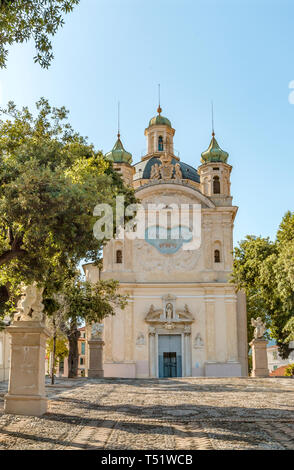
[(53, 356), (73, 356)]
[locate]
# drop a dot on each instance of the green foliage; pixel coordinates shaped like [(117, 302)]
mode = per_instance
[(21, 20), (50, 181), (87, 302), (289, 371), (61, 349), (264, 269), (248, 259), (250, 365), (82, 302), (289, 329)]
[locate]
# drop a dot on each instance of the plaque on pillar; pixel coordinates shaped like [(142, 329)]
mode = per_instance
[(96, 343)]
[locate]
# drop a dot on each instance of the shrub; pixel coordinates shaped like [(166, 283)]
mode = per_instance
[(289, 372)]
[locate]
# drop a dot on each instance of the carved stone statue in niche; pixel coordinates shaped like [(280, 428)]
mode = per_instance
[(169, 311), (198, 342), (140, 339)]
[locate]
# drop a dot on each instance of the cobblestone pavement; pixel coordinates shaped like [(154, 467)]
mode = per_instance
[(185, 413)]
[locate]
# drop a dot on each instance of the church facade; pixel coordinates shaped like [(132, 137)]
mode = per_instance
[(184, 318)]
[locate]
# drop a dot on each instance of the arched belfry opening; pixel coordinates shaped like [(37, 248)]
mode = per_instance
[(119, 257), (216, 185), (217, 256), (160, 143)]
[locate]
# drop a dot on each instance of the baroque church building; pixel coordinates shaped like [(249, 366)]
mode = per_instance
[(183, 317)]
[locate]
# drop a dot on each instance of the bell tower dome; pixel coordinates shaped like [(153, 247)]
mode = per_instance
[(122, 161), (215, 173)]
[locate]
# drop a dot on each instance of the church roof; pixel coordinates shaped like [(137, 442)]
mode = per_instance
[(159, 120), (214, 153), (143, 169), (118, 154)]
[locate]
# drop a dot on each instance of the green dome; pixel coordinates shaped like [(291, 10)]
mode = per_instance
[(118, 154), (159, 120), (214, 153)]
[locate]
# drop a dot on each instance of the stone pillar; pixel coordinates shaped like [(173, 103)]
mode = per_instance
[(187, 346), (210, 329), (152, 352), (231, 328), (259, 358), (95, 358), (26, 391), (242, 331)]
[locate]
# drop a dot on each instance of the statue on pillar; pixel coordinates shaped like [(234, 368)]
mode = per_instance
[(30, 306), (259, 353), (97, 331), (259, 329), (26, 391)]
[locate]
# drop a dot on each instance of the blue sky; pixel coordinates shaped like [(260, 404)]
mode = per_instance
[(238, 53)]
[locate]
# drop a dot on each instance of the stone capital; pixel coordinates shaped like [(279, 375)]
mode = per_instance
[(258, 343)]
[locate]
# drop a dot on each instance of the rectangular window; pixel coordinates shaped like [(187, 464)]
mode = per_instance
[(83, 347), (81, 361)]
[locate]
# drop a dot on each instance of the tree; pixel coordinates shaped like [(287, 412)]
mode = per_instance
[(248, 259), (57, 345), (264, 269), (56, 349), (21, 20), (83, 302), (50, 181), (289, 329)]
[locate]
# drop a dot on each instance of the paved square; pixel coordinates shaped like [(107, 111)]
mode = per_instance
[(181, 413)]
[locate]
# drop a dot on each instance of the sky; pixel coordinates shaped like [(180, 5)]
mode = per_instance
[(238, 53)]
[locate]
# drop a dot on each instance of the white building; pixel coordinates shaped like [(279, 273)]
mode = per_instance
[(274, 359), (183, 318), (4, 355)]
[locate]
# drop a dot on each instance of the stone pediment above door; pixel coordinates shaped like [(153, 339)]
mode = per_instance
[(169, 317)]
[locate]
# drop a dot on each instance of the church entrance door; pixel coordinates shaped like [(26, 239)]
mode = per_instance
[(170, 355)]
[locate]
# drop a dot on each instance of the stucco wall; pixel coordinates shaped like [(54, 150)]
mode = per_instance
[(4, 355)]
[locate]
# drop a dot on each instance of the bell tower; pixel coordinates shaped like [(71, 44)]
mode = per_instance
[(215, 174), (159, 136), (122, 161)]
